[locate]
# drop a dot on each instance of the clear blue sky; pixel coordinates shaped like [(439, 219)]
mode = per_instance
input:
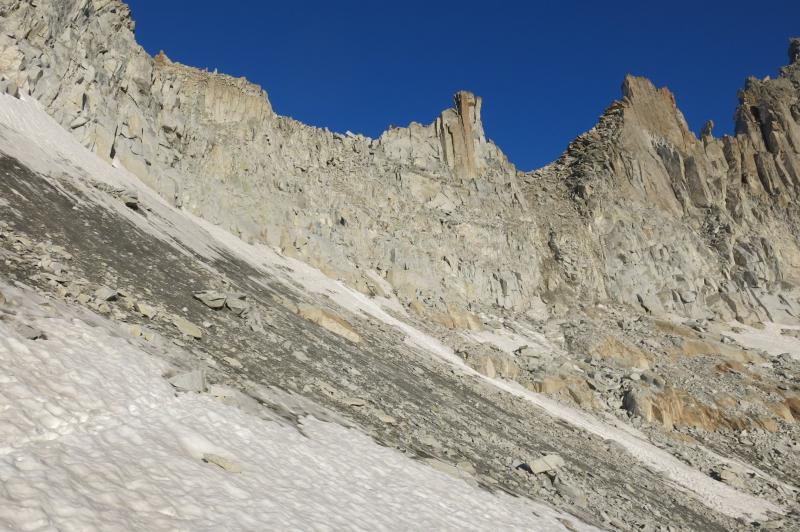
[(546, 70)]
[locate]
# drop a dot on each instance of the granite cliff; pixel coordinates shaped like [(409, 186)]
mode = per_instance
[(647, 279)]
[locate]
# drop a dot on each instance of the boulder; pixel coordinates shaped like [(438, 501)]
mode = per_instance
[(237, 304), (187, 328), (105, 293), (148, 311), (193, 381), (550, 462), (211, 298), (130, 198)]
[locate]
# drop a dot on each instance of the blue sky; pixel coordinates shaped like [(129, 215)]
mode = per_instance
[(546, 70)]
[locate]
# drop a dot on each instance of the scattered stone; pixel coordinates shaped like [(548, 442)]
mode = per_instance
[(233, 362), (78, 122), (356, 401), (30, 333), (105, 293), (221, 461), (729, 476), (187, 328), (193, 381), (385, 418), (550, 462), (237, 304), (300, 355), (793, 333), (3, 300), (130, 198), (148, 311), (211, 298), (430, 441)]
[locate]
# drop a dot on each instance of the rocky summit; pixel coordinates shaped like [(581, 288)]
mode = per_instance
[(615, 335)]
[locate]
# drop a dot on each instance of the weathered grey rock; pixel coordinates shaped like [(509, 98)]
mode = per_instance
[(237, 304), (731, 477), (591, 199), (148, 311), (550, 462), (130, 198), (637, 212), (300, 355), (233, 362), (193, 381), (490, 361), (105, 293), (30, 333), (211, 298), (186, 327)]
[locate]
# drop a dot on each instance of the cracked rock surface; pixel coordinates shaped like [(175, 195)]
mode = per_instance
[(615, 334)]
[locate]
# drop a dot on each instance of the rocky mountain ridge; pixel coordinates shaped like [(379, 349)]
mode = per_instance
[(418, 202), (645, 281)]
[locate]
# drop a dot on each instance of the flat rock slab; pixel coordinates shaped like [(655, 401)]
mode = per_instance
[(550, 462), (193, 381), (187, 327), (105, 293), (146, 310), (211, 298)]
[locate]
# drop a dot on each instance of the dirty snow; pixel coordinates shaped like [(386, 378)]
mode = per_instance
[(95, 439), (769, 339), (509, 341)]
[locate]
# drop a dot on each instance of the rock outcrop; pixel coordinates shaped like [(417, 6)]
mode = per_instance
[(637, 211)]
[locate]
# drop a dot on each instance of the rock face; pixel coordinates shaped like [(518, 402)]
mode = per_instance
[(637, 211)]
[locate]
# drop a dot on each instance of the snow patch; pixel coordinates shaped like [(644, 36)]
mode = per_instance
[(769, 339), (95, 439)]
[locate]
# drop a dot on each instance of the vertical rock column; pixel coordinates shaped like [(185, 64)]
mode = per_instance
[(457, 129)]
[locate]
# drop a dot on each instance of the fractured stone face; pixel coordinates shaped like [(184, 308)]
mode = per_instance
[(638, 210)]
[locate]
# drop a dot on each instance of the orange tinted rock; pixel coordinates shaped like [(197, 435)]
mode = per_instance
[(624, 354)]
